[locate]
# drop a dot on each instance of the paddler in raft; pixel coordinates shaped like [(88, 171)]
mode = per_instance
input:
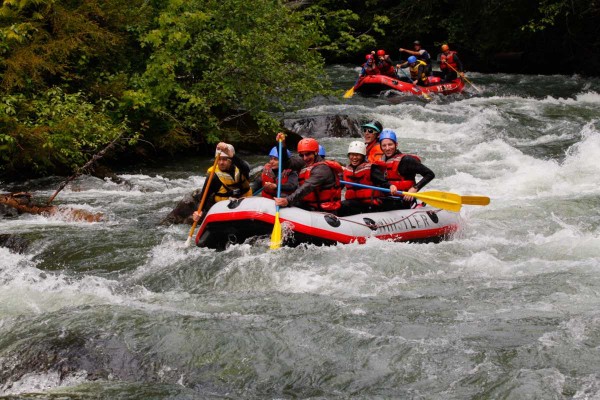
[(371, 131), (360, 170), (268, 178), (421, 54), (385, 64), (401, 171), (231, 179), (417, 69), (319, 181)]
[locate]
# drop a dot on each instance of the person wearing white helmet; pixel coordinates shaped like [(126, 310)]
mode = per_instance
[(360, 170), (231, 179), (401, 171)]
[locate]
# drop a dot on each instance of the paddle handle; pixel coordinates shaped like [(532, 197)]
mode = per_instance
[(206, 187)]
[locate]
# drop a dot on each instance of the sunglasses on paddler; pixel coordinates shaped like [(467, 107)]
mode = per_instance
[(369, 130)]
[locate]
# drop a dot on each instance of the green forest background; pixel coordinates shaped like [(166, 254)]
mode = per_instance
[(169, 76)]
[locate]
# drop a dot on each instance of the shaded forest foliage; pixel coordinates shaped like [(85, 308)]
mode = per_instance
[(170, 76)]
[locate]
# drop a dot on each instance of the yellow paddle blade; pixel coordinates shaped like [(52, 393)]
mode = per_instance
[(476, 200), (445, 200), (276, 235), (349, 93)]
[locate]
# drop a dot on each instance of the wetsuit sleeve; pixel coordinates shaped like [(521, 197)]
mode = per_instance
[(291, 184), (320, 175), (378, 177), (257, 184), (242, 165), (409, 168), (294, 163)]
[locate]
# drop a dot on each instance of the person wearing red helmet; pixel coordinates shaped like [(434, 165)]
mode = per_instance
[(385, 64), (421, 54), (319, 181), (450, 64), (231, 179), (369, 67)]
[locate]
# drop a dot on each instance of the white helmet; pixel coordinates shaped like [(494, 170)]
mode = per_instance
[(358, 148)]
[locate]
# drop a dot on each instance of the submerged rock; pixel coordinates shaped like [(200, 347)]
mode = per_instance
[(321, 126), (15, 243)]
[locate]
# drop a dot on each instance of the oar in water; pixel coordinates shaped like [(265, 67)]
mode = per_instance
[(206, 186), (464, 77), (276, 234), (445, 200), (422, 93)]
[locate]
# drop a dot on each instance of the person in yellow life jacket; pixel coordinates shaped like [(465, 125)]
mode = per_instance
[(371, 131), (268, 178), (401, 171), (417, 69), (360, 170), (231, 179), (421, 54), (449, 64), (319, 181)]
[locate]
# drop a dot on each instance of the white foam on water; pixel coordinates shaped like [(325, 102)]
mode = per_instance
[(33, 383)]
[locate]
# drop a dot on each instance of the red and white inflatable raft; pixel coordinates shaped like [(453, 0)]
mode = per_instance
[(236, 220), (374, 84)]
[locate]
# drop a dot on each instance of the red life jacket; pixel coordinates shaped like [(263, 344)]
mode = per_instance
[(268, 175), (371, 70), (449, 60), (374, 152), (386, 68), (323, 198), (391, 172), (362, 175)]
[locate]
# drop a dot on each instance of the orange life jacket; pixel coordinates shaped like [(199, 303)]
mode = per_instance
[(391, 172), (323, 198), (269, 176), (362, 175), (374, 152)]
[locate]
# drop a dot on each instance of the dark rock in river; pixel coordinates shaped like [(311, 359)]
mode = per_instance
[(321, 126), (182, 213), (14, 243)]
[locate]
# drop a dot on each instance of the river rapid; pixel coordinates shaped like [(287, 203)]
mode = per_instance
[(509, 308)]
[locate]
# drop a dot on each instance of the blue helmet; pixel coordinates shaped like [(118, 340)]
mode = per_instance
[(412, 59), (275, 153), (388, 134), (322, 152)]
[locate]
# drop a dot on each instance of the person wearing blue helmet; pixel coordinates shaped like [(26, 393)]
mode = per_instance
[(371, 131), (401, 171), (268, 178), (421, 54), (417, 69), (322, 151)]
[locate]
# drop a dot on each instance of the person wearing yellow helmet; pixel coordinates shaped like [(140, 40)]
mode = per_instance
[(450, 64)]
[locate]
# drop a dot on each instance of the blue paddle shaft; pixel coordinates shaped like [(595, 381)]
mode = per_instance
[(278, 174)]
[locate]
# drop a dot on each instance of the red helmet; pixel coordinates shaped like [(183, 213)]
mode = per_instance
[(308, 145), (380, 53), (368, 57)]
